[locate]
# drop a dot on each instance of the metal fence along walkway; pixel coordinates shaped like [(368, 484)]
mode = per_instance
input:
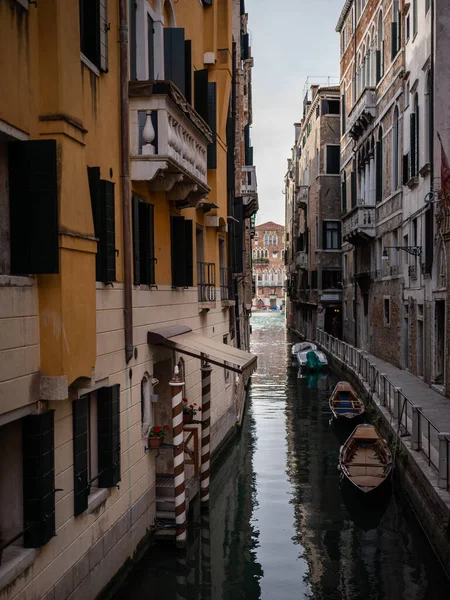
[(415, 407)]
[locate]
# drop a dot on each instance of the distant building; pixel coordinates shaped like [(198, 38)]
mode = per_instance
[(268, 265)]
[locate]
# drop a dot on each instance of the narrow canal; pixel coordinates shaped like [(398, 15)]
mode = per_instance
[(279, 526)]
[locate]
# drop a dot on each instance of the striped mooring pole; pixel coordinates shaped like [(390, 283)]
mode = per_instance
[(206, 433), (206, 554), (178, 457)]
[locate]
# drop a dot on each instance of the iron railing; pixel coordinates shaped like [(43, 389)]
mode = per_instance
[(226, 284), (429, 440), (206, 275)]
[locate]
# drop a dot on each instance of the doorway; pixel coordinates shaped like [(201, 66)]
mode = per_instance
[(420, 348), (405, 337), (439, 332)]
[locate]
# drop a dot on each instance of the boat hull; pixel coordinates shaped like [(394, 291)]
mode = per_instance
[(345, 405)]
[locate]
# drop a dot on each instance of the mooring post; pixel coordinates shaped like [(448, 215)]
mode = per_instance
[(415, 438), (206, 433), (178, 458), (443, 459)]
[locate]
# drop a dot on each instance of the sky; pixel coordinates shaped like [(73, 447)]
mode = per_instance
[(290, 40)]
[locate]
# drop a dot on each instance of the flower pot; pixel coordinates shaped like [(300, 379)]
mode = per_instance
[(155, 442), (187, 417)]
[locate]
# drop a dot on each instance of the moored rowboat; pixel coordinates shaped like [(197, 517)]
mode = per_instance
[(344, 402), (365, 459)]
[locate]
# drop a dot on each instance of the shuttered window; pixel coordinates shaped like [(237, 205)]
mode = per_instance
[(333, 160), (103, 211), (413, 144), (206, 106), (188, 70), (150, 48), (379, 171), (80, 418), (38, 479), (174, 57), (108, 422), (331, 235), (353, 188), (344, 194), (143, 243), (33, 200), (132, 39), (181, 238), (94, 32), (343, 114)]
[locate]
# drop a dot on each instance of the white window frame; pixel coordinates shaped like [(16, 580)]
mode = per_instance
[(143, 9)]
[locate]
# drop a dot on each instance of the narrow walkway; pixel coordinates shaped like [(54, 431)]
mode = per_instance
[(434, 405)]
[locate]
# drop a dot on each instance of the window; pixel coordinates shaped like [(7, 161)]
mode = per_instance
[(333, 160), (331, 279), (266, 239), (274, 254), (182, 252), (330, 107), (379, 167), (29, 213), (380, 49), (344, 192), (331, 235), (94, 32), (143, 243), (414, 16), (407, 28), (343, 114), (345, 267), (147, 413), (226, 372), (387, 311), (343, 39), (414, 138), (395, 150), (429, 119), (395, 29), (205, 98), (96, 443), (103, 211)]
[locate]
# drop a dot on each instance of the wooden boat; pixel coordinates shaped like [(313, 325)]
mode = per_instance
[(344, 402), (365, 459)]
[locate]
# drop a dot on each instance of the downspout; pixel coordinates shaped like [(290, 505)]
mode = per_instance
[(125, 177)]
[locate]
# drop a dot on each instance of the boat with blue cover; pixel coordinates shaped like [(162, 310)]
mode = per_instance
[(345, 403)]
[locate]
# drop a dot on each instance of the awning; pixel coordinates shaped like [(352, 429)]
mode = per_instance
[(184, 340)]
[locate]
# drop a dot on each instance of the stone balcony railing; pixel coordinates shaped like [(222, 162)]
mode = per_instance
[(358, 225), (363, 113), (168, 141)]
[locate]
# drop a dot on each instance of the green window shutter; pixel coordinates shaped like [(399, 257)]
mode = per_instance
[(150, 48), (212, 122), (104, 35), (80, 416), (151, 244), (413, 143), (33, 202), (38, 479), (378, 65), (174, 56), (136, 242), (177, 243), (107, 233), (406, 168), (379, 172), (108, 423), (417, 138), (132, 38), (146, 236), (189, 254), (394, 40), (188, 70), (201, 93), (344, 195), (97, 212)]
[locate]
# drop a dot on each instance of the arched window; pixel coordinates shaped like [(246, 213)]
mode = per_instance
[(147, 417), (380, 48), (266, 239), (379, 167), (395, 150), (429, 119), (363, 68), (266, 254), (275, 240), (414, 135)]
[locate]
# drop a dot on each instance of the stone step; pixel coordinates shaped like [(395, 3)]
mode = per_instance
[(165, 515)]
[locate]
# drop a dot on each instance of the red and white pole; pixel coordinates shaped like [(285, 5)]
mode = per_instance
[(206, 433), (177, 385)]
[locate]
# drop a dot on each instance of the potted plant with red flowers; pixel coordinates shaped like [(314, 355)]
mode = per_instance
[(156, 435), (189, 410)]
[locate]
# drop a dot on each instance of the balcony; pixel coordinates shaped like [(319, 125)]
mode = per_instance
[(226, 287), (303, 196), (270, 283), (301, 260), (249, 190), (206, 284), (363, 114), (358, 225), (168, 141)]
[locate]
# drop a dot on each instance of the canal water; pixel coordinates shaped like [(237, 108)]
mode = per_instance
[(280, 527)]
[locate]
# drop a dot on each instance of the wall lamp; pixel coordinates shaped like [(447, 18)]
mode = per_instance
[(414, 250)]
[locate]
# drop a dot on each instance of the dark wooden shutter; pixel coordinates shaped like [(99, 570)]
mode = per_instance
[(188, 70), (313, 280), (38, 479), (132, 41), (212, 122), (247, 144), (33, 202), (146, 235), (80, 416), (201, 93), (417, 140), (343, 114), (324, 236), (104, 35), (325, 107), (245, 49), (177, 243), (378, 65), (353, 188), (379, 171), (333, 160), (107, 244), (151, 244), (189, 254), (344, 195), (174, 66), (136, 243), (150, 48), (108, 427), (412, 152), (94, 189), (90, 30), (394, 40), (429, 240), (405, 168)]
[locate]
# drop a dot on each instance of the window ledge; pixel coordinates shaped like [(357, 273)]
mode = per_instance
[(90, 65), (206, 306), (413, 182), (15, 561), (425, 170), (16, 281), (96, 499)]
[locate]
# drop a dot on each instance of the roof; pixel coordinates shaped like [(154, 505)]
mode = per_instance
[(344, 13), (270, 225)]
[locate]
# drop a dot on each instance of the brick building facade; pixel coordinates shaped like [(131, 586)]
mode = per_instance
[(268, 265)]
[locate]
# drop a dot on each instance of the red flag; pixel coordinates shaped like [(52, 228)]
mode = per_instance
[(445, 177)]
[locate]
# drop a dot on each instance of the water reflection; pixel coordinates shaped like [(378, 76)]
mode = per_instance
[(281, 526)]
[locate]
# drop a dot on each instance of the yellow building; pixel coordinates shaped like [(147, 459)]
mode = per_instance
[(116, 228)]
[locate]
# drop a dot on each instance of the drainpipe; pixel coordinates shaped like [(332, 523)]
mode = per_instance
[(125, 177)]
